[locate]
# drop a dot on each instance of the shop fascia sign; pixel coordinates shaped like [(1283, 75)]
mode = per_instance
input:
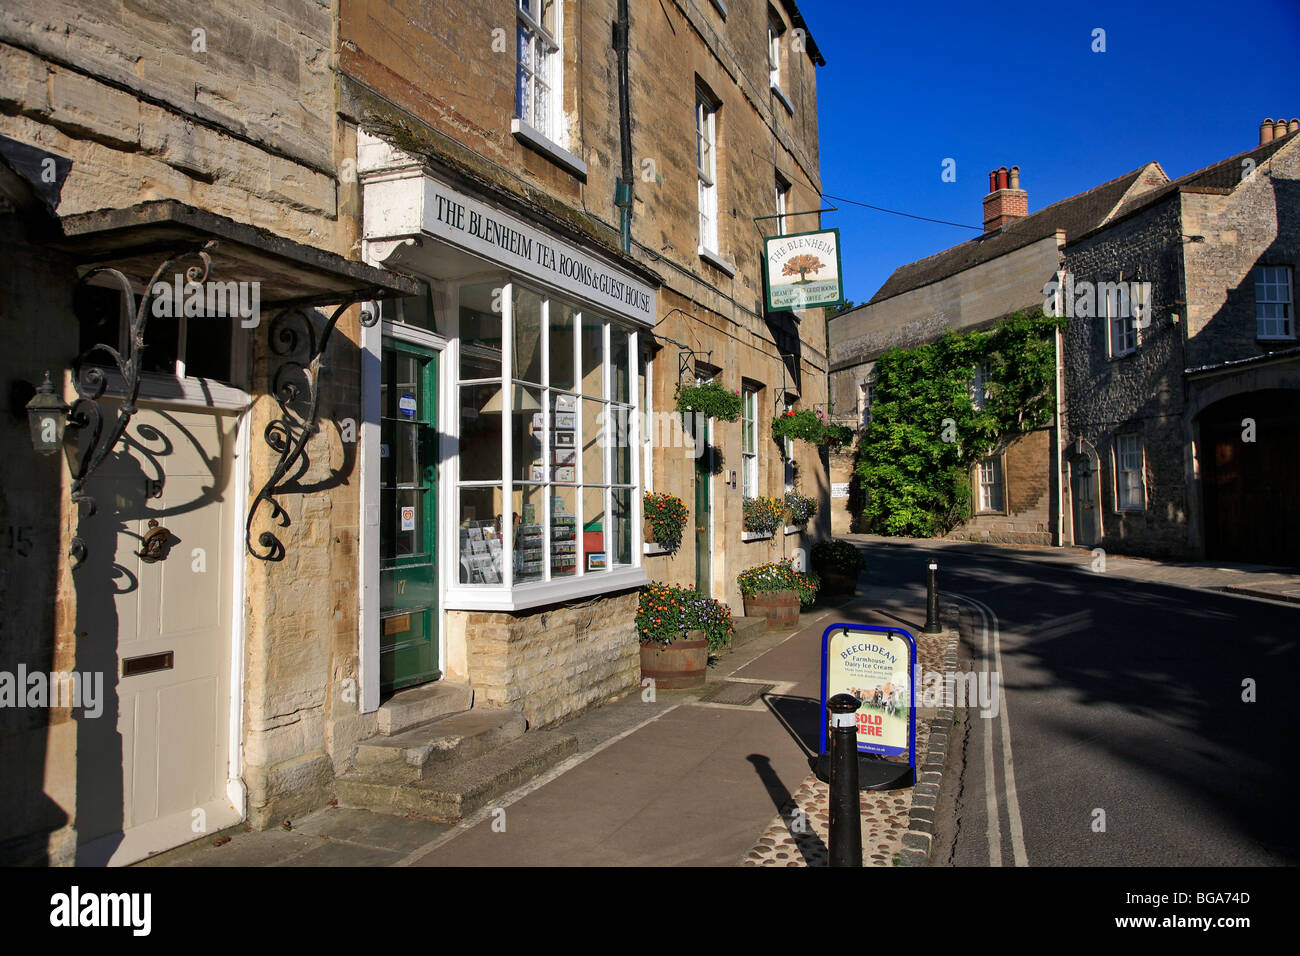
[(803, 270), (479, 228)]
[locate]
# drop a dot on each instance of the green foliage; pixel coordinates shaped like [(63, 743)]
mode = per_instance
[(667, 515), (665, 613), (913, 467), (836, 556), (710, 400)]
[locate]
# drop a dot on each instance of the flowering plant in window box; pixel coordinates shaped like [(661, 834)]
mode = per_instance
[(665, 517), (763, 514), (799, 508), (710, 400)]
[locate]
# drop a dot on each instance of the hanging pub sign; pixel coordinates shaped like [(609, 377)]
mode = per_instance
[(876, 665), (803, 270)]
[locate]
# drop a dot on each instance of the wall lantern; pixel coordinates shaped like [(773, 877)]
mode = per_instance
[(47, 415)]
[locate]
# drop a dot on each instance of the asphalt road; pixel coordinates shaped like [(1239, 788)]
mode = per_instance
[(1122, 737)]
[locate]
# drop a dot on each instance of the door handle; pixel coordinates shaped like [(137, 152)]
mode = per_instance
[(155, 543)]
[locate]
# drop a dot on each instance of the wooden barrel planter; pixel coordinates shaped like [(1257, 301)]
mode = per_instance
[(781, 608), (681, 665)]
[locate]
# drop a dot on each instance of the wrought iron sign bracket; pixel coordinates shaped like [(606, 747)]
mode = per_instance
[(296, 389), (85, 415)]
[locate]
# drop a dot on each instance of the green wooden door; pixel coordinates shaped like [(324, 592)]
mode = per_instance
[(703, 471), (408, 570)]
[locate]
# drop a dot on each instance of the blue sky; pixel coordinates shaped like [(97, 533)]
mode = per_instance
[(908, 85)]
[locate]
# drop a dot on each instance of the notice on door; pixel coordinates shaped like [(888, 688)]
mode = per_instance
[(408, 517)]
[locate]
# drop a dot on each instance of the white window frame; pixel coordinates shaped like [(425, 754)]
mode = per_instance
[(749, 441), (782, 203), (1122, 326), (706, 157), (509, 595), (1130, 460), (990, 473), (1274, 292), (774, 51), (546, 44)]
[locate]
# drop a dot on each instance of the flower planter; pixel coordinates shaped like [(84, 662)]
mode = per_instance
[(780, 608), (681, 665)]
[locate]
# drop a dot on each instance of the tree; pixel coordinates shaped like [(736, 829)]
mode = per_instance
[(802, 265)]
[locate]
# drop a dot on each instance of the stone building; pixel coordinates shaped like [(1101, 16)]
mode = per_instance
[(1183, 419), (1014, 494), (1177, 418), (445, 260)]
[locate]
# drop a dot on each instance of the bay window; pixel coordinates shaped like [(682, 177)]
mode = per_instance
[(546, 485)]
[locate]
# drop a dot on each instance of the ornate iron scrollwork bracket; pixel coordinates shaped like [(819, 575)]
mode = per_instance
[(86, 416), (296, 387)]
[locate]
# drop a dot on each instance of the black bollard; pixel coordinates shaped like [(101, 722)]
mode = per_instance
[(846, 808), (932, 601)]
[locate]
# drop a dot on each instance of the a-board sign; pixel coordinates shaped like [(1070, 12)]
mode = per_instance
[(876, 665)]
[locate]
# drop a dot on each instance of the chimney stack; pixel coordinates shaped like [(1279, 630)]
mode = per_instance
[(1270, 129), (1006, 201)]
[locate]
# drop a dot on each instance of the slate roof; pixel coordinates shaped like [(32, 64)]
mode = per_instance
[(1076, 215)]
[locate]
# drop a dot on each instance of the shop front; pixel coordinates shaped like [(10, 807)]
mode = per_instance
[(501, 543)]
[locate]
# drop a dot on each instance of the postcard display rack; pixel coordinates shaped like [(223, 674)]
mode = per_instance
[(480, 552), (480, 541)]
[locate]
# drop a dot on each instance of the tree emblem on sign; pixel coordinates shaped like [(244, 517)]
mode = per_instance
[(801, 266)]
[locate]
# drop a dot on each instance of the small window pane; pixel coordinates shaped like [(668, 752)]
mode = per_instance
[(480, 432), (529, 434), (564, 437), (207, 348), (563, 321), (564, 532), (621, 526), (620, 437), (528, 335), (594, 558), (480, 535), (593, 356), (619, 372), (480, 330), (593, 442), (530, 541)]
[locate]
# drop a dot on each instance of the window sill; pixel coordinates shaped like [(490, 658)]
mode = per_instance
[(551, 150), (523, 596), (715, 260), (1275, 339), (785, 100), (755, 535), (1116, 356), (795, 528)]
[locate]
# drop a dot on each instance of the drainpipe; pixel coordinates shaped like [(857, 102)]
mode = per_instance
[(1060, 464), (623, 185)]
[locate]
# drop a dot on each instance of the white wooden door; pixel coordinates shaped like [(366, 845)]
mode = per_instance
[(171, 622)]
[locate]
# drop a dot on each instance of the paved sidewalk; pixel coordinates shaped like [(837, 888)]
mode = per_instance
[(1254, 580), (670, 782)]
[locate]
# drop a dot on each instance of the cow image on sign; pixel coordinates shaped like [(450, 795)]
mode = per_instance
[(876, 665)]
